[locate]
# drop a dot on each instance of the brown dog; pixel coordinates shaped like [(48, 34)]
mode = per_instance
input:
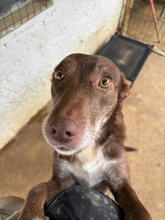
[(86, 129)]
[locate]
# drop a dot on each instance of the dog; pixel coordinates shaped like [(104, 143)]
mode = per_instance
[(85, 127)]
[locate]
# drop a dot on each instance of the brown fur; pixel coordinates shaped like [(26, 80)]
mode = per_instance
[(94, 155)]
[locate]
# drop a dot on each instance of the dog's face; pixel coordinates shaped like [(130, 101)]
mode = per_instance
[(85, 91)]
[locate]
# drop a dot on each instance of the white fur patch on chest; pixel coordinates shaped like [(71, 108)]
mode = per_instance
[(90, 166)]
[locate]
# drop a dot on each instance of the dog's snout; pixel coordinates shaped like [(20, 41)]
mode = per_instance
[(63, 130)]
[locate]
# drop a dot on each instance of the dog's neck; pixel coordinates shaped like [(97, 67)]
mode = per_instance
[(88, 154), (86, 167)]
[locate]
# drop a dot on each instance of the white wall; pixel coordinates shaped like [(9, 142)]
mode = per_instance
[(29, 54)]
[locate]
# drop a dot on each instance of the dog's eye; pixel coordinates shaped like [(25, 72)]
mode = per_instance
[(105, 82), (58, 75)]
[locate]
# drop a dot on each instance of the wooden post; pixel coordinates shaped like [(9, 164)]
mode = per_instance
[(126, 17)]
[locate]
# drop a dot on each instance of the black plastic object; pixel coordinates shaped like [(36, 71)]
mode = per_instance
[(128, 54), (83, 203)]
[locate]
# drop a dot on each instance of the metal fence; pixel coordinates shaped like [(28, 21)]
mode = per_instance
[(14, 13), (138, 22)]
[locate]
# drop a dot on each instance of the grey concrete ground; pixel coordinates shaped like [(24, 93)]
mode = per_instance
[(27, 159)]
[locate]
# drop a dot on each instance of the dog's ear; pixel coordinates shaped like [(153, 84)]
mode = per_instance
[(124, 88)]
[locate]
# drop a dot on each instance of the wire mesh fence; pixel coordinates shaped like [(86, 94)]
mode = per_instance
[(138, 21), (14, 13)]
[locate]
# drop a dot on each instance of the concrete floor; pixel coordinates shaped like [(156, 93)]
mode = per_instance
[(27, 159)]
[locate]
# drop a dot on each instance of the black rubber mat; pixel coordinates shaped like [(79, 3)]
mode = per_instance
[(83, 203), (128, 54)]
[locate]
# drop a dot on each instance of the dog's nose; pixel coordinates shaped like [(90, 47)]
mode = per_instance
[(63, 130)]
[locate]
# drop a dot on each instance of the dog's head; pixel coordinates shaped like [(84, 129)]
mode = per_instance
[(85, 92)]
